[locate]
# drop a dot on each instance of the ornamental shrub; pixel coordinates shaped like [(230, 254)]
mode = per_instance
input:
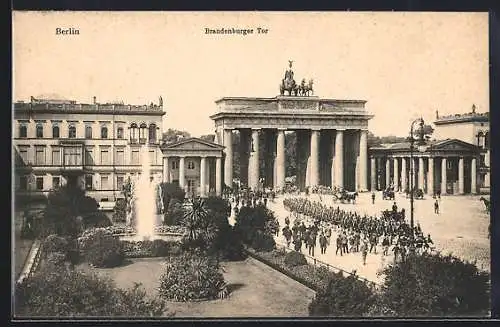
[(191, 277), (160, 248), (293, 259), (101, 248), (55, 244), (56, 291), (435, 285), (263, 242), (343, 297)]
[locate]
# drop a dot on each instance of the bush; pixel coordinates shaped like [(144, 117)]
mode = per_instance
[(55, 244), (101, 249), (344, 297), (56, 258), (293, 259), (174, 214), (251, 223), (191, 277), (263, 242), (160, 248), (120, 211), (435, 285), (60, 292)]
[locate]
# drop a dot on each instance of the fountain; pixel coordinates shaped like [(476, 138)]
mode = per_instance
[(144, 203)]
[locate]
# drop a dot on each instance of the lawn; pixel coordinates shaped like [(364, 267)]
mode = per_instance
[(256, 290)]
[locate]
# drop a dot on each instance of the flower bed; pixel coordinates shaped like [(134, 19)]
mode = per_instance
[(162, 229), (150, 249), (316, 278)]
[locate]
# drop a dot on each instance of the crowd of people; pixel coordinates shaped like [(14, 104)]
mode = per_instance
[(355, 233)]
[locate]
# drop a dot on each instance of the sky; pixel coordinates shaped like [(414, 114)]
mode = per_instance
[(405, 65)]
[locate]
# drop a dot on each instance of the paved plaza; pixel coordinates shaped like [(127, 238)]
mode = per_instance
[(461, 228)]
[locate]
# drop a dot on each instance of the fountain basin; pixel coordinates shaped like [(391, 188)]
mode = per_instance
[(134, 237)]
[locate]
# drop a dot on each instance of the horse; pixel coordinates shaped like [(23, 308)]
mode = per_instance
[(290, 86), (388, 194), (486, 203), (350, 197)]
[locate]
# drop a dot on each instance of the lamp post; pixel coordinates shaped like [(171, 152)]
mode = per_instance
[(421, 148)]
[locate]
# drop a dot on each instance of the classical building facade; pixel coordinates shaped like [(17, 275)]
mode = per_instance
[(195, 165), (456, 161), (331, 140), (95, 146)]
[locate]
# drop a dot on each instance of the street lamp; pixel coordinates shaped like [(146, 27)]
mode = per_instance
[(421, 148)]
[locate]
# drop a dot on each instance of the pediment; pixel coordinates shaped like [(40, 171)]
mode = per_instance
[(193, 144), (455, 145)]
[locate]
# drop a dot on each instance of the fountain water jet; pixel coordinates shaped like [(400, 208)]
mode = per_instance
[(145, 194)]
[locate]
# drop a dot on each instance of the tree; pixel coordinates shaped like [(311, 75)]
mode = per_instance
[(201, 228), (69, 210), (173, 135), (208, 137), (170, 192), (435, 285)]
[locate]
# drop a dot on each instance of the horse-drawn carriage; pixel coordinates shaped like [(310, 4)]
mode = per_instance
[(388, 194), (343, 196), (418, 194)]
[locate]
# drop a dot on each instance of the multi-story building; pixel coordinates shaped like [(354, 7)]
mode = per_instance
[(95, 146)]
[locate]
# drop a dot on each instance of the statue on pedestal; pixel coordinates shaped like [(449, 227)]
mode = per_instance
[(288, 83)]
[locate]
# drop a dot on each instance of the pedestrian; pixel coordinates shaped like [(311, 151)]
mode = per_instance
[(323, 243), (297, 244), (364, 251), (394, 207), (436, 207), (345, 243), (287, 220), (373, 197), (339, 245), (312, 243), (385, 244)]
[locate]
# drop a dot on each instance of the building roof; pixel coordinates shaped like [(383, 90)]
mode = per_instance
[(463, 118), (432, 146), (192, 143)]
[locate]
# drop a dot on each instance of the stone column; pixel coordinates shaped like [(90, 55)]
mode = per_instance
[(166, 172), (339, 158), (373, 177), (415, 173), (218, 176), (473, 177), (403, 174), (396, 174), (387, 172), (443, 176), (421, 173), (253, 171), (314, 181), (333, 168), (203, 176), (363, 160), (280, 159), (461, 175), (430, 177), (228, 162), (182, 176)]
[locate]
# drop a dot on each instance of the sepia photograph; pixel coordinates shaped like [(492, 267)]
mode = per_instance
[(250, 165)]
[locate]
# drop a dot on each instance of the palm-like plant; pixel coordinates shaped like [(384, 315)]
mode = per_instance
[(201, 229)]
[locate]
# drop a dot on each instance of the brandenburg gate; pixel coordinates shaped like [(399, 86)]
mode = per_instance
[(331, 146)]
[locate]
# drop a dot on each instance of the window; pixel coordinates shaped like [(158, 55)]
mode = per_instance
[(39, 183), (448, 164), (23, 152), (135, 157), (105, 157), (39, 130), (119, 132), (142, 133), (72, 156), (104, 182), (23, 183), (89, 157), (56, 182), (104, 132), (72, 132), (120, 157), (152, 133), (119, 182), (88, 182), (88, 132), (56, 156), (23, 131), (152, 158), (175, 164), (482, 161), (39, 156), (133, 132), (487, 140), (191, 164), (55, 131)]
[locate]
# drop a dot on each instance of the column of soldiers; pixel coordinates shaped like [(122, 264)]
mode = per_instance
[(356, 233)]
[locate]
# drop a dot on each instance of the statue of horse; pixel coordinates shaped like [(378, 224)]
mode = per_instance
[(486, 203), (289, 85), (306, 88)]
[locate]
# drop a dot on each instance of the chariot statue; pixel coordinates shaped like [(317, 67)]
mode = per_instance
[(288, 83), (305, 89)]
